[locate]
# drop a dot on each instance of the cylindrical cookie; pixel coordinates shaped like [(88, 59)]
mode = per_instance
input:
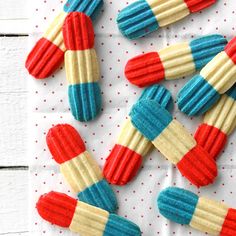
[(174, 142), (206, 215), (79, 169), (204, 90), (218, 123), (125, 159), (82, 218), (145, 16), (48, 53), (175, 61), (82, 68)]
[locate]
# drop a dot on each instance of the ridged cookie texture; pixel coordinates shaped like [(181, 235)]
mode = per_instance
[(204, 90), (82, 68), (145, 16), (91, 8), (125, 159), (79, 217), (218, 123), (206, 215), (160, 94), (78, 167), (48, 53), (174, 142), (175, 61)]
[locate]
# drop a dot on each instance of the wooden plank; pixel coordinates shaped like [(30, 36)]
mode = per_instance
[(14, 16), (13, 101), (14, 203), (17, 234), (14, 9), (14, 26)]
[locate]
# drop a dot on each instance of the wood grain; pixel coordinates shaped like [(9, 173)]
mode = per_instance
[(14, 17), (13, 118), (13, 101), (13, 202)]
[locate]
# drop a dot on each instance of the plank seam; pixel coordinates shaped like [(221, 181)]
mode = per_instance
[(14, 168), (14, 35), (17, 232)]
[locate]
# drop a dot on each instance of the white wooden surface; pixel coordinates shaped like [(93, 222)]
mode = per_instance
[(14, 17), (13, 105)]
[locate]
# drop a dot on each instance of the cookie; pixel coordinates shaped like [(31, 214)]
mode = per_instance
[(206, 215), (145, 16), (125, 159), (204, 90), (48, 53), (174, 142), (218, 123), (173, 62), (82, 68), (79, 217), (79, 168)]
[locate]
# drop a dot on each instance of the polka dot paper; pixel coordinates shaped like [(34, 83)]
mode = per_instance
[(49, 105)]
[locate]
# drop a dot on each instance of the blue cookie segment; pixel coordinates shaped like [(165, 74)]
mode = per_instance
[(100, 195), (177, 205), (197, 97), (137, 20), (206, 48), (232, 92), (118, 226), (150, 118), (89, 7), (159, 94), (85, 101)]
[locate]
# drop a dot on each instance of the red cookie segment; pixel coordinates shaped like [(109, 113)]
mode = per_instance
[(198, 5), (211, 139), (198, 167), (44, 59), (57, 208), (64, 143), (119, 159), (230, 49), (78, 32), (229, 226), (145, 70)]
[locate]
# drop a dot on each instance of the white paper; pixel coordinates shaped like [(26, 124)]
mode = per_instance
[(49, 105)]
